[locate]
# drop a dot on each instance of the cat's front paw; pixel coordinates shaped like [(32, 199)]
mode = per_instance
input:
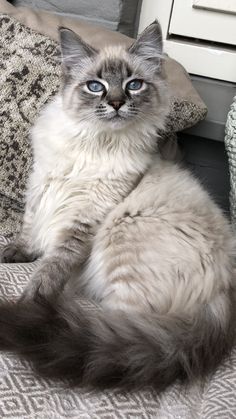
[(14, 253)]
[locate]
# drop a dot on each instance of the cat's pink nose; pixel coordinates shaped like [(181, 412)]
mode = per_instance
[(116, 104)]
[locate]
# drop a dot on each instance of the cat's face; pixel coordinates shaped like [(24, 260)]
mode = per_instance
[(116, 86)]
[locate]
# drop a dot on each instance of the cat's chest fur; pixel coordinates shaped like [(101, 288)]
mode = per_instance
[(74, 176)]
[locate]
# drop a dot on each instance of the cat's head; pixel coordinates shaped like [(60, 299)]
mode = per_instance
[(116, 86)]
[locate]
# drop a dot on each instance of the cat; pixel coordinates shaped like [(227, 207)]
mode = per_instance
[(114, 223)]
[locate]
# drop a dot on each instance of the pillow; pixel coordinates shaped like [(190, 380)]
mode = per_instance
[(11, 217), (30, 76), (114, 14)]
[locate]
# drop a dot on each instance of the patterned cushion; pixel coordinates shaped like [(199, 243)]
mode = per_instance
[(25, 395), (29, 76), (11, 214)]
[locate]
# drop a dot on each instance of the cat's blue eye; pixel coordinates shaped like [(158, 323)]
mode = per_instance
[(134, 84), (95, 86)]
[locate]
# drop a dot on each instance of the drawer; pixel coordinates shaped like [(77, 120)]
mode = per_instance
[(210, 20), (224, 6)]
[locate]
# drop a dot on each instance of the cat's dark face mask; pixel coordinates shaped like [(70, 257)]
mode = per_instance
[(113, 87)]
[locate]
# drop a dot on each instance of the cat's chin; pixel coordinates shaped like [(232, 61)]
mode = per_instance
[(117, 122)]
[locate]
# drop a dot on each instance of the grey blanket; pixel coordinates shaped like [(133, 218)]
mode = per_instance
[(24, 395)]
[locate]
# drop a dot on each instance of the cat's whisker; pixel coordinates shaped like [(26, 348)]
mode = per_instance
[(133, 110)]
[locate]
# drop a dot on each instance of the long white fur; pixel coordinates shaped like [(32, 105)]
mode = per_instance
[(73, 160)]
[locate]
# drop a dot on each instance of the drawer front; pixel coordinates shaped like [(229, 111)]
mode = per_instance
[(191, 18), (224, 6)]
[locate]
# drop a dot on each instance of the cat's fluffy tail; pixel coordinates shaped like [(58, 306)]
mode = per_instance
[(104, 348)]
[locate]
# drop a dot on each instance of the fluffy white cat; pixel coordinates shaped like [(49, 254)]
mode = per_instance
[(113, 222)]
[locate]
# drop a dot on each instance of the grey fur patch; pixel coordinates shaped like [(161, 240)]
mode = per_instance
[(73, 48), (149, 46), (16, 253)]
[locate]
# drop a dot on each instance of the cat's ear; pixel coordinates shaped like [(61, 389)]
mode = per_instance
[(149, 45), (73, 48)]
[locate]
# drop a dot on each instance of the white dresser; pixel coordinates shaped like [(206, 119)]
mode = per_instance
[(201, 34)]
